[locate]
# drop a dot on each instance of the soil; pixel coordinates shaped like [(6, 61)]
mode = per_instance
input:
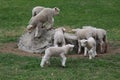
[(113, 48)]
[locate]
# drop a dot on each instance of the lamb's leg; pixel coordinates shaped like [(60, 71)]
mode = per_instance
[(101, 45), (38, 27), (105, 43), (43, 62), (90, 52), (44, 59), (106, 47), (94, 52), (85, 51), (63, 59), (79, 47)]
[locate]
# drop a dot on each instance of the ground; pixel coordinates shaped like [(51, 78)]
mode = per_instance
[(113, 48)]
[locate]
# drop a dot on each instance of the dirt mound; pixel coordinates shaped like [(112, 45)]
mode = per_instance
[(113, 48)]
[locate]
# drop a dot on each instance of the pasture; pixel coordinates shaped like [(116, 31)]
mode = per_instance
[(18, 65)]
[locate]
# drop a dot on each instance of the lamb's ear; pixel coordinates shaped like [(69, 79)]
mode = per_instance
[(63, 29), (56, 9)]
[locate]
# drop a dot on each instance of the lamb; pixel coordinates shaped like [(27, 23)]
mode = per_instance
[(45, 16), (102, 39), (59, 39), (82, 34), (35, 11), (90, 46), (100, 36), (56, 51)]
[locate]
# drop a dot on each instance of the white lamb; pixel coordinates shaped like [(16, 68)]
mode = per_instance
[(59, 39), (90, 46), (45, 16), (35, 11), (100, 36), (42, 18), (56, 51), (102, 39), (83, 34)]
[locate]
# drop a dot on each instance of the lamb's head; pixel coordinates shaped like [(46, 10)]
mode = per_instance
[(62, 29), (30, 28), (83, 42), (56, 11), (70, 46)]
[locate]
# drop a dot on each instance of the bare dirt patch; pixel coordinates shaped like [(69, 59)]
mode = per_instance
[(113, 48)]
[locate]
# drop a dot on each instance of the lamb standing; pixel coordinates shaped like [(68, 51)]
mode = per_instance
[(102, 39), (35, 11), (56, 51), (100, 36), (82, 34), (59, 39), (45, 16), (90, 46)]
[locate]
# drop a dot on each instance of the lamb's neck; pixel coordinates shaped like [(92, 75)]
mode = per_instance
[(66, 49)]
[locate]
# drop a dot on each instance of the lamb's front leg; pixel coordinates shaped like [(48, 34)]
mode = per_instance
[(79, 47), (85, 51), (37, 30), (43, 61), (90, 52), (63, 59)]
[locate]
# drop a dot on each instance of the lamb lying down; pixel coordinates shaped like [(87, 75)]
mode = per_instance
[(90, 46), (56, 51)]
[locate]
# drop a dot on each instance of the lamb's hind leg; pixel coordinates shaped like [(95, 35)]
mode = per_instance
[(101, 46), (63, 59)]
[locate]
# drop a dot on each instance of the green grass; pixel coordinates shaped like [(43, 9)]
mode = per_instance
[(15, 14), (15, 67)]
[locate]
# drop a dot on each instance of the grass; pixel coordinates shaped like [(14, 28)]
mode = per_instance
[(15, 67), (14, 17)]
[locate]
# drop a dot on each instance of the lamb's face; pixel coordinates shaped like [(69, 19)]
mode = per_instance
[(62, 29), (56, 11), (83, 42), (70, 46)]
